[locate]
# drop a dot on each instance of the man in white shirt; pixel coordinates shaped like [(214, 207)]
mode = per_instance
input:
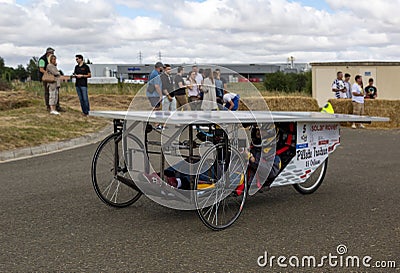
[(199, 76), (358, 99)]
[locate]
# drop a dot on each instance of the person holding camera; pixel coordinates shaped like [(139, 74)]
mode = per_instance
[(82, 73)]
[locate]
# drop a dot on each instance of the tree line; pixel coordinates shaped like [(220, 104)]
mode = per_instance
[(20, 73), (278, 81), (289, 82)]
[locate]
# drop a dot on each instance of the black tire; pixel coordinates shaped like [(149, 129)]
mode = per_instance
[(220, 205), (314, 181), (107, 174)]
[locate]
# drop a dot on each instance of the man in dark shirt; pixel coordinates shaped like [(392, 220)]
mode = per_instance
[(180, 90), (82, 73), (371, 92), (168, 101)]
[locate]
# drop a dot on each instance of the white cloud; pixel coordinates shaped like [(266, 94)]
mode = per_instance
[(215, 31)]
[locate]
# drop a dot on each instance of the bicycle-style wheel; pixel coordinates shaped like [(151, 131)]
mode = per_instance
[(110, 177), (314, 181), (220, 186)]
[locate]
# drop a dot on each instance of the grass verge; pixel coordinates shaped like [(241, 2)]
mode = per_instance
[(33, 125)]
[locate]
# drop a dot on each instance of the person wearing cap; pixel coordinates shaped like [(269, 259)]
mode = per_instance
[(154, 86), (43, 62)]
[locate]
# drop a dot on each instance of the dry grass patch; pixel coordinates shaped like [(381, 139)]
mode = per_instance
[(13, 100), (25, 122), (99, 102), (31, 126)]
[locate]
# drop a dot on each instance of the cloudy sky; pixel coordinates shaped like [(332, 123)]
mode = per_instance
[(207, 31)]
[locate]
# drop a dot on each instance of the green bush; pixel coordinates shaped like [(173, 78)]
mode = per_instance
[(288, 82)]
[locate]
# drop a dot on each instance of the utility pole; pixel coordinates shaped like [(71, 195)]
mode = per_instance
[(140, 57)]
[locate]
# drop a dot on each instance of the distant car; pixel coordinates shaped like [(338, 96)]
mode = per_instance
[(134, 81), (140, 80)]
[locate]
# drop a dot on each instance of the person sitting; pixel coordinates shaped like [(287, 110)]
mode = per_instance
[(255, 157), (178, 176)]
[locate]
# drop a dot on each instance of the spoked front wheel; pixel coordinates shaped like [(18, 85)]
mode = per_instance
[(220, 186), (314, 181), (110, 177)]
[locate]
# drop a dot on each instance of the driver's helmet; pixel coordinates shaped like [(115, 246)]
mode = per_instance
[(255, 135)]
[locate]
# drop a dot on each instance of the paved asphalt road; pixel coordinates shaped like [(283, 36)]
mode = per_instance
[(51, 220)]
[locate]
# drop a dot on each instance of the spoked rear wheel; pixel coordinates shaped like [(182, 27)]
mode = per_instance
[(220, 202), (110, 177), (314, 181)]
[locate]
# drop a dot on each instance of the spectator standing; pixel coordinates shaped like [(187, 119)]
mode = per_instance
[(43, 62), (371, 92), (209, 97), (53, 87), (347, 85), (199, 76), (219, 86), (82, 73), (338, 86), (200, 81), (180, 89), (169, 101), (358, 99), (154, 86), (224, 81), (193, 91)]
